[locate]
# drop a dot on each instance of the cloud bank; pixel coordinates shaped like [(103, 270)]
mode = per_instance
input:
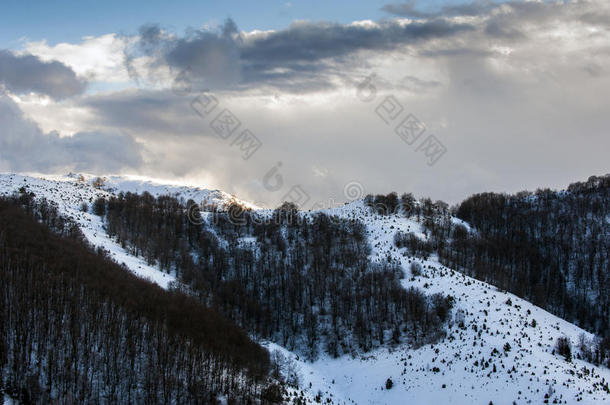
[(517, 92), (295, 59), (24, 147), (28, 73)]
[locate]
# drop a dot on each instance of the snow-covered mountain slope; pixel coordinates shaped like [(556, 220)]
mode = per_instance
[(471, 365), (134, 184), (69, 192)]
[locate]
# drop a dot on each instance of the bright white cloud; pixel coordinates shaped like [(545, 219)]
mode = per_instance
[(94, 58)]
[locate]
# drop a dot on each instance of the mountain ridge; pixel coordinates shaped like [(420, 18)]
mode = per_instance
[(470, 364)]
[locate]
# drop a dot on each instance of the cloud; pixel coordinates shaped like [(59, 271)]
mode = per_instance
[(24, 147), (316, 41), (409, 9), (146, 113), (513, 12), (207, 58), (299, 58), (516, 92), (214, 58), (320, 56), (516, 95), (499, 29), (28, 73), (94, 58)]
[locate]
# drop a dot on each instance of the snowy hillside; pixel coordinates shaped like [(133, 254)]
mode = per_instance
[(472, 364), (134, 184), (498, 349), (69, 192)]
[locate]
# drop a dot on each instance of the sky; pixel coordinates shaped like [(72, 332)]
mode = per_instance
[(315, 102), (75, 19)]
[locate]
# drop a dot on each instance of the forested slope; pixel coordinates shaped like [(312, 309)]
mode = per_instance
[(304, 281), (77, 328), (363, 279), (550, 247)]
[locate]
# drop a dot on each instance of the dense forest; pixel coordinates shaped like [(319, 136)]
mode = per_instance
[(76, 327), (302, 280), (549, 247)]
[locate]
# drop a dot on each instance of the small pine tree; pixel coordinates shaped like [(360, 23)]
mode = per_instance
[(564, 347), (99, 206), (396, 334), (415, 269), (389, 384)]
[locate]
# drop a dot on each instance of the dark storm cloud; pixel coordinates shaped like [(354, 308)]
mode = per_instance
[(296, 58), (206, 55), (24, 147), (27, 73), (315, 41)]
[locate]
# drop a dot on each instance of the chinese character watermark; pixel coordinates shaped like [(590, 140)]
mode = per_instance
[(409, 129)]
